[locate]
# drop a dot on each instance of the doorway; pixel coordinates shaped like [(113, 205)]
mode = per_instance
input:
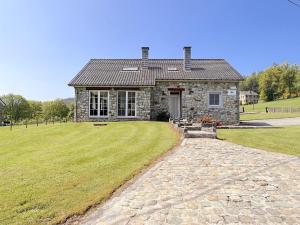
[(174, 105)]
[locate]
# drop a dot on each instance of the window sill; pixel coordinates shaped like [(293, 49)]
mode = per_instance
[(98, 116), (215, 106), (126, 117)]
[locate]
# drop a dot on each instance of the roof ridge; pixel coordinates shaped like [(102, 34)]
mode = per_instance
[(94, 59)]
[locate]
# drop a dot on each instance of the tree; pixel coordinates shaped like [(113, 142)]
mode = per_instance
[(16, 108), (56, 109), (36, 111), (71, 107), (297, 85), (266, 87), (289, 78), (62, 110), (250, 83), (277, 81)]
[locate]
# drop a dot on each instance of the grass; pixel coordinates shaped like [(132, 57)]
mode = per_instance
[(259, 111), (283, 140), (51, 172)]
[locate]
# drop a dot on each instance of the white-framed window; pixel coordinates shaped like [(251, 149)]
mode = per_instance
[(98, 103), (215, 99), (126, 103)]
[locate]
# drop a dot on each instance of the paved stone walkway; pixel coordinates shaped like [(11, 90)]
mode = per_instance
[(276, 122), (207, 181)]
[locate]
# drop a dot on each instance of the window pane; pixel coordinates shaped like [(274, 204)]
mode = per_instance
[(103, 103), (93, 103), (131, 104), (214, 99), (122, 103), (217, 99), (211, 99)]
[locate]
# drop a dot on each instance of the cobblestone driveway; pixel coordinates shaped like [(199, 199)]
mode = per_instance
[(207, 181)]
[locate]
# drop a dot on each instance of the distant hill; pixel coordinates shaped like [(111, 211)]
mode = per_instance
[(67, 101)]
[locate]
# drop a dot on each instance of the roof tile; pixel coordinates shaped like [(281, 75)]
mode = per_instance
[(109, 72)]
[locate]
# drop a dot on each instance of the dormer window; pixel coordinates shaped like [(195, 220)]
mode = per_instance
[(172, 68), (135, 68)]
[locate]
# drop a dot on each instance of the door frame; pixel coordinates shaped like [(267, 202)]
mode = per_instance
[(178, 94)]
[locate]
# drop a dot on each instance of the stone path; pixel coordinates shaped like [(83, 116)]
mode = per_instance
[(206, 181), (276, 122)]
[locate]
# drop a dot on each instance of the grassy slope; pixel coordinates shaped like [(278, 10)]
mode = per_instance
[(284, 140), (51, 172), (259, 109)]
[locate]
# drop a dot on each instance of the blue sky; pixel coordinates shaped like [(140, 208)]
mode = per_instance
[(43, 44)]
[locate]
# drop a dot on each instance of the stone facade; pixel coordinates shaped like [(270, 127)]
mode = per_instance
[(194, 100), (82, 105), (150, 101)]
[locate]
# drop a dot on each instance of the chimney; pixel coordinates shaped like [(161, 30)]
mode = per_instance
[(145, 57), (187, 58)]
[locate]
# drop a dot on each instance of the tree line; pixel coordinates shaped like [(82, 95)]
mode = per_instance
[(18, 109), (280, 81)]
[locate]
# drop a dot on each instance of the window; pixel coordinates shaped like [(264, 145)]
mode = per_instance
[(130, 68), (214, 99), (126, 103), (98, 103), (103, 103), (172, 69), (93, 103), (131, 104)]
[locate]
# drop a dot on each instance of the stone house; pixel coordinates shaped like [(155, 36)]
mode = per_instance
[(248, 97), (143, 89)]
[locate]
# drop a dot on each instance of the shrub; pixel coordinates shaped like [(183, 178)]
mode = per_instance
[(163, 116)]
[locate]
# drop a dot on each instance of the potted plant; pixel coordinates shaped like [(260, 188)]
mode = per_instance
[(208, 122)]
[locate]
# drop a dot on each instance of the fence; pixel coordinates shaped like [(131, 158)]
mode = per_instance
[(282, 109)]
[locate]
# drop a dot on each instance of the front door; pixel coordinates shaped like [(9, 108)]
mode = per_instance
[(174, 105)]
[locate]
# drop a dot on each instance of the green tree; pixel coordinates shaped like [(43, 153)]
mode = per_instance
[(250, 83), (297, 85), (56, 109), (71, 107), (266, 86), (289, 78), (16, 108), (62, 110), (36, 112)]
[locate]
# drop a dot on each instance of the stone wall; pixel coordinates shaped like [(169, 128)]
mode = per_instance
[(151, 101), (194, 100), (82, 105)]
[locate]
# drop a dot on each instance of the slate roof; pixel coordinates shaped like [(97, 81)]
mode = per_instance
[(108, 72)]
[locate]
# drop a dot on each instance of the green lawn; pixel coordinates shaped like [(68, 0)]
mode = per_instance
[(51, 172), (259, 111), (284, 140)]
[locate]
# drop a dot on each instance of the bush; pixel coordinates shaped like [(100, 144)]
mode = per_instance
[(163, 116)]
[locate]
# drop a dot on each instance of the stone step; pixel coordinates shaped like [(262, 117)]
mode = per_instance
[(193, 127), (200, 134)]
